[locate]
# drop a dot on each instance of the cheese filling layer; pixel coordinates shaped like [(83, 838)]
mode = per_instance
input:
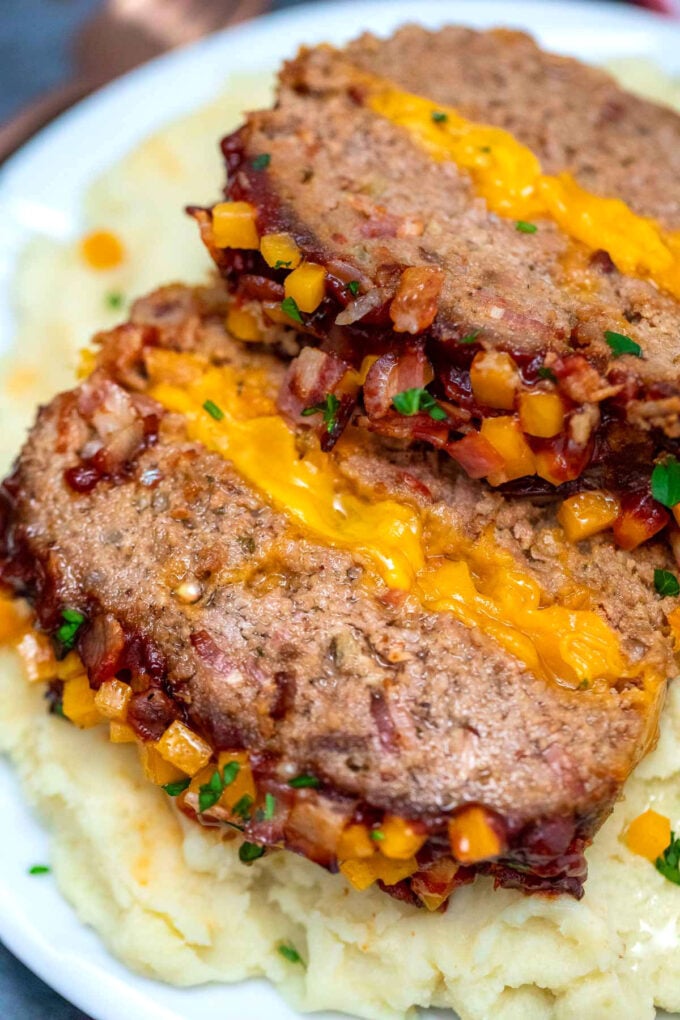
[(509, 176), (404, 547)]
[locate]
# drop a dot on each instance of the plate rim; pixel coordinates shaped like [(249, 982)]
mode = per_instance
[(19, 932)]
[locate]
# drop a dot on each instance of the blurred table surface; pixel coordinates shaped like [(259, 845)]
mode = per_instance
[(34, 58)]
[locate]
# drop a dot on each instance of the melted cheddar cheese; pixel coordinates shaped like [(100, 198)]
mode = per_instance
[(509, 176), (402, 546)]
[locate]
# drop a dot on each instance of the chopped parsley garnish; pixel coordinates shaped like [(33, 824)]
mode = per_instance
[(300, 782), (230, 772), (377, 835), (546, 373), (470, 338), (289, 306), (262, 161), (242, 807), (328, 408), (289, 952), (213, 410), (622, 344), (174, 789), (210, 792), (248, 852), (418, 399), (439, 117), (525, 228), (281, 264), (39, 869), (353, 287), (666, 482), (668, 864), (666, 583), (269, 806), (66, 633), (114, 299)]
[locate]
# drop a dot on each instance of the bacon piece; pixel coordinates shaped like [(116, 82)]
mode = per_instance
[(394, 373), (101, 648), (476, 455)]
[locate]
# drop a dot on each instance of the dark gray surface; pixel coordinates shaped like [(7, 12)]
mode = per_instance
[(34, 57)]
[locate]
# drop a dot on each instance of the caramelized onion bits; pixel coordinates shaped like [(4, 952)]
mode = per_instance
[(414, 306)]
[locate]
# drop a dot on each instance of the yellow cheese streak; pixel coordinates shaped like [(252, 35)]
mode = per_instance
[(478, 582), (508, 175)]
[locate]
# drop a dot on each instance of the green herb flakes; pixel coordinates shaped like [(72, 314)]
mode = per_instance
[(213, 410), (412, 401), (114, 300), (261, 162), (242, 807), (300, 782), (289, 952), (666, 583), (546, 373), (289, 306), (470, 338), (353, 287), (439, 117), (174, 789), (622, 344), (269, 806), (668, 864), (328, 408), (525, 228), (39, 869), (249, 852), (665, 482), (377, 835), (67, 632), (281, 264), (230, 772)]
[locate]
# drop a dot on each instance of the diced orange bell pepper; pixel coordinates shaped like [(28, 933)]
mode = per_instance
[(71, 665), (648, 835), (494, 379), (587, 513), (14, 618), (156, 769), (400, 840), (243, 785), (242, 324), (234, 225), (307, 286), (472, 837), (112, 699), (541, 414), (102, 250), (355, 843), (183, 748), (363, 873), (640, 519), (121, 733), (78, 703), (506, 436), (280, 251), (37, 657)]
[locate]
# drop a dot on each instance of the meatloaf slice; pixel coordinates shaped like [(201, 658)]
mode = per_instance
[(359, 709), (528, 354)]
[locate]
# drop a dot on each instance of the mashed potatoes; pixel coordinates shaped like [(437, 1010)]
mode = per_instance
[(172, 900)]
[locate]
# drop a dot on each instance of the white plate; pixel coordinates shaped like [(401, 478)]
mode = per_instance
[(41, 190)]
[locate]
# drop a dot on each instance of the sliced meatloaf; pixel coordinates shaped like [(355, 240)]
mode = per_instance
[(358, 709), (535, 356)]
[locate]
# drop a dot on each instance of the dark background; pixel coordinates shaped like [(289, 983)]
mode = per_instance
[(35, 38)]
